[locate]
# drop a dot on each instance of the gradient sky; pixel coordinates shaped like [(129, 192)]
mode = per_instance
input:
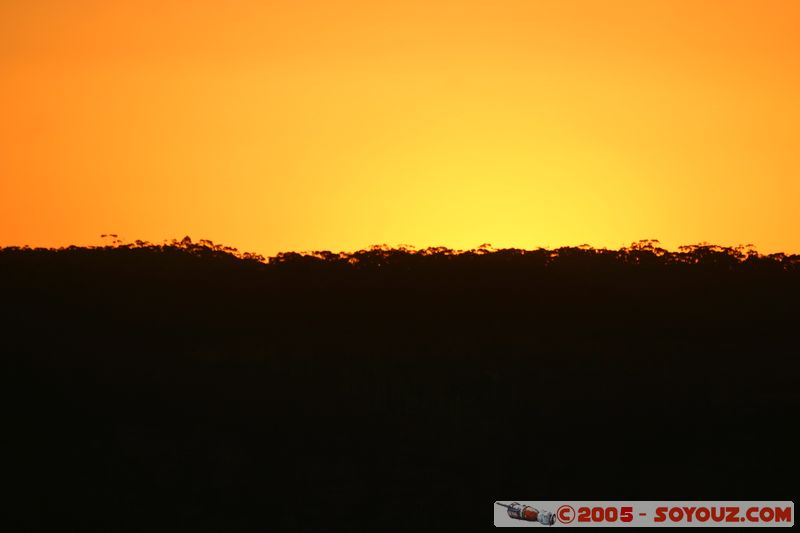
[(300, 125)]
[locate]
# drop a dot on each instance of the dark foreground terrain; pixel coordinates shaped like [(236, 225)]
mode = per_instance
[(189, 388)]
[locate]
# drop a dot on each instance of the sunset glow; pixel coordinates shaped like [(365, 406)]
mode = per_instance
[(307, 125)]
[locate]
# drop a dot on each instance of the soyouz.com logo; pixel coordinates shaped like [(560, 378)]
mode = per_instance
[(644, 514)]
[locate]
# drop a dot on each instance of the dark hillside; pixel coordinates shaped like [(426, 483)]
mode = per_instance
[(189, 387)]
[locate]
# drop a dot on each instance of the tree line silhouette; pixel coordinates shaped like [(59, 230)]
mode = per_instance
[(190, 386)]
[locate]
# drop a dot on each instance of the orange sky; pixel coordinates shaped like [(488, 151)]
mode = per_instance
[(298, 125)]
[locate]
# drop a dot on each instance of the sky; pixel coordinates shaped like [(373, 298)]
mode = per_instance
[(309, 125)]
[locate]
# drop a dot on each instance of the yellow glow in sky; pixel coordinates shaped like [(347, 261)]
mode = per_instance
[(299, 125)]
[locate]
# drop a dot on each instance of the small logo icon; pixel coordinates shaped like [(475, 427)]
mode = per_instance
[(528, 513), (565, 514)]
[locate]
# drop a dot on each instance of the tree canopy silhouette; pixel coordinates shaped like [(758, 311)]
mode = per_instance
[(187, 385)]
